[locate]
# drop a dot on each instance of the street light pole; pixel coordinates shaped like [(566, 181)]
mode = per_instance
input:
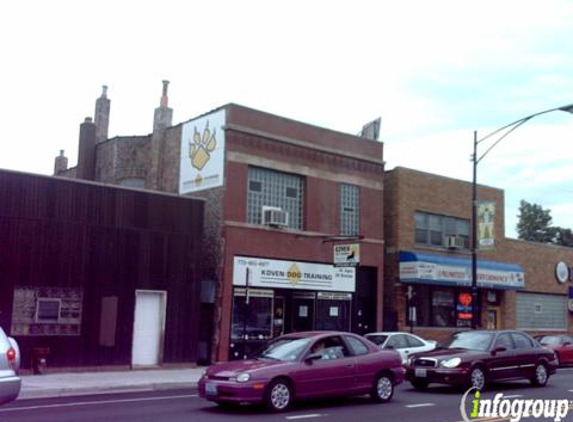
[(475, 161)]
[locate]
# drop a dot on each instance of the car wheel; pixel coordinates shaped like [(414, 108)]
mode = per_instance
[(279, 395), (477, 378), (419, 384), (541, 376), (383, 388)]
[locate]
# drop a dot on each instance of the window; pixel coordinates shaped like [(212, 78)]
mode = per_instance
[(521, 341), (441, 306), (358, 348), (504, 340), (252, 320), (349, 210), (48, 310), (397, 341), (413, 341), (275, 189), (431, 229)]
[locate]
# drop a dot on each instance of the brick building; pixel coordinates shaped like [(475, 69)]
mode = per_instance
[(427, 229), (279, 195)]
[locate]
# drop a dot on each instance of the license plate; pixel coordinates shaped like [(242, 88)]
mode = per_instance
[(211, 388), (421, 372)]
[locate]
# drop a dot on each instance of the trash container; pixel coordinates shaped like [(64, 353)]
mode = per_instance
[(40, 359)]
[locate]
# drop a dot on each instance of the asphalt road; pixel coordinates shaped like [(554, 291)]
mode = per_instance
[(438, 404)]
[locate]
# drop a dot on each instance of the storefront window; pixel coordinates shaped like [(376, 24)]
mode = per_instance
[(443, 307), (438, 306), (255, 318)]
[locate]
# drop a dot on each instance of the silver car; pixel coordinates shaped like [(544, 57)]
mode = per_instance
[(9, 365)]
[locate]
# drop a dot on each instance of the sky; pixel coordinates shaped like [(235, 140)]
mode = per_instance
[(433, 71)]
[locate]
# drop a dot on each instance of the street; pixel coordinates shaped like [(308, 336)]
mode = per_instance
[(438, 404)]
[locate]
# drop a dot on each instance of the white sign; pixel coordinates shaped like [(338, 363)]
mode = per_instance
[(413, 271), (202, 162), (347, 255), (277, 274)]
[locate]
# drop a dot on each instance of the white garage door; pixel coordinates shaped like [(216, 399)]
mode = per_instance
[(148, 327)]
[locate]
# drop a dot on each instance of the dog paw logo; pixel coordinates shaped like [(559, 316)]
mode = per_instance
[(201, 147)]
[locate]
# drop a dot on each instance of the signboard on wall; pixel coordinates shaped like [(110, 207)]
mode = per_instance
[(278, 274), (202, 162), (347, 255)]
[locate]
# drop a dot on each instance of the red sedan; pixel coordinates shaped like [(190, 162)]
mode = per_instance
[(305, 365), (561, 344)]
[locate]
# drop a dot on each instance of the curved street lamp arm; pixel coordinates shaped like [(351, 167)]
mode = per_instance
[(515, 126)]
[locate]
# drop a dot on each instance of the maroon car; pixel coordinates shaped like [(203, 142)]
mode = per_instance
[(305, 365), (473, 358), (561, 344)]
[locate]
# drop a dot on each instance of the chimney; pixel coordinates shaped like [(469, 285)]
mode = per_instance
[(86, 151), (60, 163), (163, 116), (102, 116)]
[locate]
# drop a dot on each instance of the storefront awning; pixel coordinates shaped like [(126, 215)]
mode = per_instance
[(436, 269)]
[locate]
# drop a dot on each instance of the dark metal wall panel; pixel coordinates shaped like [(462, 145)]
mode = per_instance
[(108, 241)]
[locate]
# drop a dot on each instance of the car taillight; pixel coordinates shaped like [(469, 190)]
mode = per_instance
[(11, 355)]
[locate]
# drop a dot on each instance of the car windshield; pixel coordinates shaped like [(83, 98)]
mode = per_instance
[(285, 349), (470, 340), (378, 339), (549, 340)]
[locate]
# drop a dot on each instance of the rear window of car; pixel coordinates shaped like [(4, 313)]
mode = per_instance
[(549, 340), (378, 339)]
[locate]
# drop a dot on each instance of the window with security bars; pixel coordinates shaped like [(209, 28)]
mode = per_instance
[(275, 189), (349, 210)]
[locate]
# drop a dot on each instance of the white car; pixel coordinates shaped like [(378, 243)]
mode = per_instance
[(403, 343), (9, 365)]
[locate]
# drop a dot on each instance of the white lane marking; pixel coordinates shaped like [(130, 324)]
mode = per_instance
[(413, 406), (88, 403), (311, 415), (571, 391), (515, 396)]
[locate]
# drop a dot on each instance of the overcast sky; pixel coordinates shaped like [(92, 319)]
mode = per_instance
[(435, 71)]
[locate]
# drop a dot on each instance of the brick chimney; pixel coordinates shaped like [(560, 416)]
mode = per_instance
[(60, 163), (86, 150), (163, 116), (102, 116)]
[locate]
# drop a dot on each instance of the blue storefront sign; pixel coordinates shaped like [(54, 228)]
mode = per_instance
[(436, 269)]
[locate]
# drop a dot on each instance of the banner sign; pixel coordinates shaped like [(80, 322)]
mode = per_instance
[(202, 158), (486, 226), (276, 274)]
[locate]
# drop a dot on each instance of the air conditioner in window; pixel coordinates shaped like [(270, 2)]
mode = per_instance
[(455, 242), (274, 216)]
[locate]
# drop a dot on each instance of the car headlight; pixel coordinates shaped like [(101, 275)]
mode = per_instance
[(243, 377), (450, 363)]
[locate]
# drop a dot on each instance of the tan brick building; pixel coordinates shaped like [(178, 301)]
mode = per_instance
[(427, 234)]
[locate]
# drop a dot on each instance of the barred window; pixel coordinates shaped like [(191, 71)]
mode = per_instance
[(349, 210), (275, 189)]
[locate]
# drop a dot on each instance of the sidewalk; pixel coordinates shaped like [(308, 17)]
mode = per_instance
[(83, 383)]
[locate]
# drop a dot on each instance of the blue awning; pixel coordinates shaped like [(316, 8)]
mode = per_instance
[(444, 270)]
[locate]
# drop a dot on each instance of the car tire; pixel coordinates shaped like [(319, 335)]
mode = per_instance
[(540, 376), (419, 384), (279, 395), (477, 378), (383, 388)]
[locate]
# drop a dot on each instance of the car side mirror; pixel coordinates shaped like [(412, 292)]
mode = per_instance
[(567, 343), (313, 356), (498, 349)]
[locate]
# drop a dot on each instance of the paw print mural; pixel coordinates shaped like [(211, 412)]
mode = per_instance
[(201, 146)]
